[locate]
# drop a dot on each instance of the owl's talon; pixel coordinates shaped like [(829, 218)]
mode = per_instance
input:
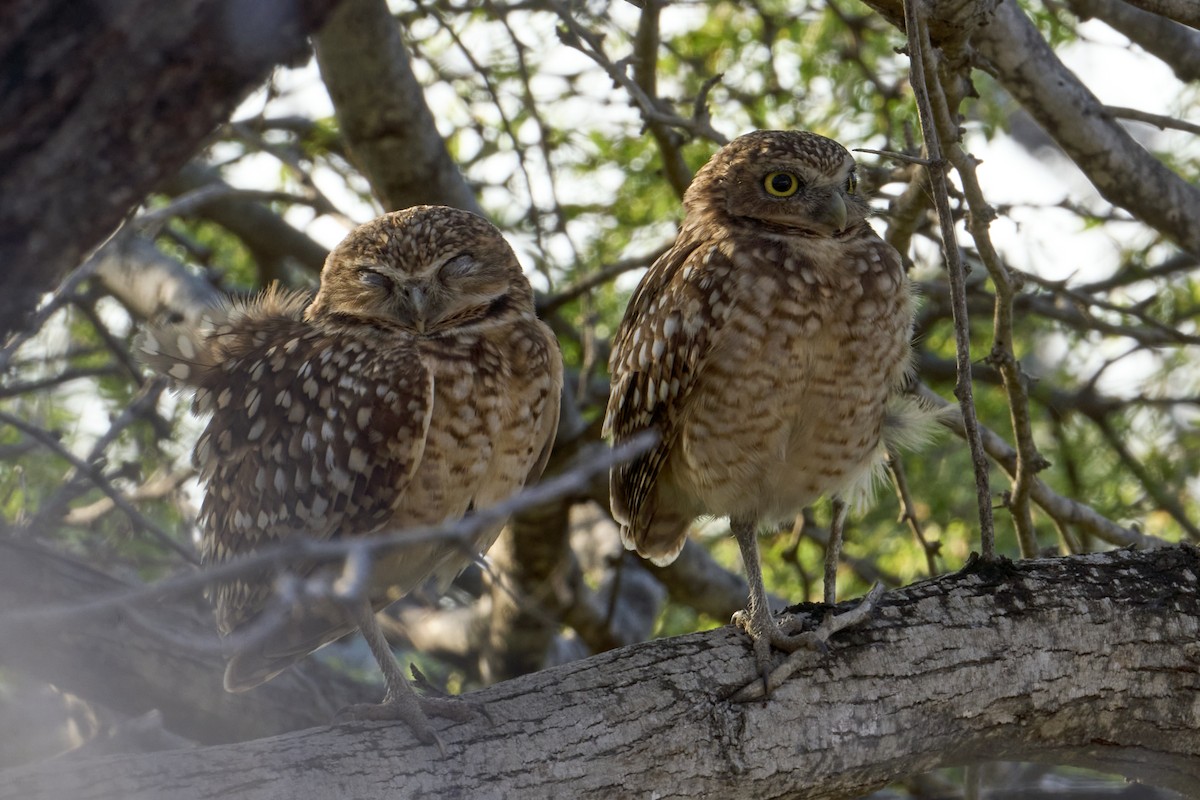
[(817, 640)]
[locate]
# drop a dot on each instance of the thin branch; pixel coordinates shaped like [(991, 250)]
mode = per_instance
[(590, 44), (1152, 485), (601, 276), (908, 512), (1157, 120), (918, 41), (157, 486), (570, 482), (101, 482), (1063, 510), (1008, 285)]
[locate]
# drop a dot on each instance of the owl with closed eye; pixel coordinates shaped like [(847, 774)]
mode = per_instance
[(416, 386)]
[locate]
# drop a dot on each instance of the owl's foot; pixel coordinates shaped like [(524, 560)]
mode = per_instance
[(414, 711), (766, 635), (400, 702), (791, 642)]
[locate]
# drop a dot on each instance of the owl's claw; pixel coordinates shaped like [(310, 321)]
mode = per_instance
[(414, 712), (776, 637)]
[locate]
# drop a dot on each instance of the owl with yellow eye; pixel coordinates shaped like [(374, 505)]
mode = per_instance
[(767, 349)]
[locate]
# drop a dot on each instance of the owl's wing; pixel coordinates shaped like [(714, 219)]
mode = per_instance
[(544, 357), (311, 435), (657, 354)]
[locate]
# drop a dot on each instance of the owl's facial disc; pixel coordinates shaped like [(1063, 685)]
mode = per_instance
[(795, 198)]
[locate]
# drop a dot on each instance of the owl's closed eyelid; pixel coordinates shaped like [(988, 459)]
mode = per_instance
[(374, 278), (458, 266)]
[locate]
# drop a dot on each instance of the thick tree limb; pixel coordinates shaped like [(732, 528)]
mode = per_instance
[(382, 111), (1085, 660), (1016, 54), (164, 656), (1122, 171), (100, 100), (1176, 45)]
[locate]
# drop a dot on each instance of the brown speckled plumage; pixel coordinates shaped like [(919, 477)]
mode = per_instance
[(417, 384), (766, 347)]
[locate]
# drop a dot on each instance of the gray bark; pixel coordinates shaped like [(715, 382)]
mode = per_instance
[(382, 112), (102, 99), (1087, 660)]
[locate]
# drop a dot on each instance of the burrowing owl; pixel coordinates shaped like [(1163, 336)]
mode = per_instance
[(767, 348), (417, 385)]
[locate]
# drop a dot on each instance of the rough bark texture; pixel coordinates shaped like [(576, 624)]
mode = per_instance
[(163, 656), (384, 118), (1087, 660), (101, 99)]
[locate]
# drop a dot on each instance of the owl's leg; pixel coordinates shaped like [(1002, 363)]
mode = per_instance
[(757, 620), (834, 549), (400, 702)]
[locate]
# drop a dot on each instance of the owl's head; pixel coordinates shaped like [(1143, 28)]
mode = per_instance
[(426, 268), (791, 181)]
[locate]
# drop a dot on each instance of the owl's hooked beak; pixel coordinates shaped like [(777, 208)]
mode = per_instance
[(420, 306), (834, 212)]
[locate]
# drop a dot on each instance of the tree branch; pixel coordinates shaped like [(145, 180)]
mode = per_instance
[(103, 100), (1122, 171), (918, 44), (382, 111), (132, 661), (1087, 660)]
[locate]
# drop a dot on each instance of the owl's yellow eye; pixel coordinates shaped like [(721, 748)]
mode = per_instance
[(852, 182), (781, 184)]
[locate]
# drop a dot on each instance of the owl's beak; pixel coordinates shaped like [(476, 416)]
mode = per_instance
[(834, 212), (420, 306)]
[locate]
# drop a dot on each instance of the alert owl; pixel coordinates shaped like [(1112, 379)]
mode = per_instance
[(417, 385), (767, 348)]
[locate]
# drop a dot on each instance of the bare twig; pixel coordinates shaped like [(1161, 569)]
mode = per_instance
[(918, 41), (1063, 510), (587, 42), (156, 486), (892, 154), (568, 483), (100, 481), (1157, 120), (908, 512), (600, 277), (1008, 284)]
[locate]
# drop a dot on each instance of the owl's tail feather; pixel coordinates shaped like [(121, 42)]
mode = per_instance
[(659, 541), (263, 655), (192, 351)]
